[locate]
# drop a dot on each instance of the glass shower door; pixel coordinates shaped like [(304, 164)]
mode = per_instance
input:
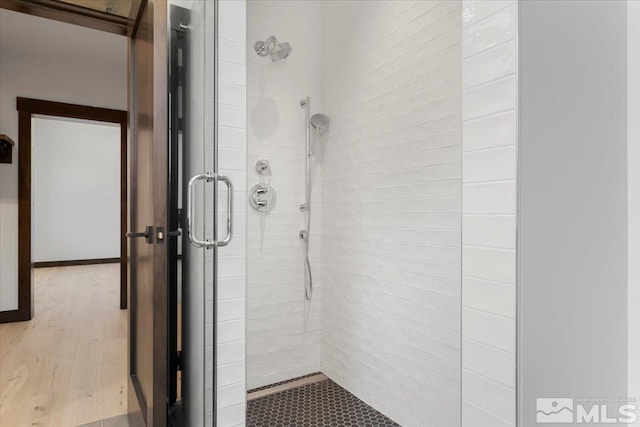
[(194, 183)]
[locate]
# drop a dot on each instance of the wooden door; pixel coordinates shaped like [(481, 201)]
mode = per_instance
[(148, 127)]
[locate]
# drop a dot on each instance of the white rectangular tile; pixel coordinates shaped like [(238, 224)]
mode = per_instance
[(489, 198), (494, 398), (493, 97), (235, 10), (231, 51), (489, 329), (474, 416), (231, 352), (231, 395), (492, 64), (492, 131), (488, 263), (230, 374), (490, 31), (491, 297), (231, 415), (476, 10), (230, 94), (231, 330), (489, 362), (497, 231), (495, 164)]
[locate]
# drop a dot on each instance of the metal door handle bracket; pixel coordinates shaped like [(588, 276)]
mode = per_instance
[(206, 243), (195, 241), (229, 235)]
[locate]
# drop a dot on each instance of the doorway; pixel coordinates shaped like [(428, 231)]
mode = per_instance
[(68, 365), (28, 109)]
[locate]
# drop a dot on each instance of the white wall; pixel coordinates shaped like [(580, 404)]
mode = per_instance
[(391, 206), (633, 153), (57, 62), (573, 201), (489, 48), (75, 189), (283, 330)]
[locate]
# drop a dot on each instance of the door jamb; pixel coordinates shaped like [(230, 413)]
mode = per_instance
[(27, 108), (78, 15)]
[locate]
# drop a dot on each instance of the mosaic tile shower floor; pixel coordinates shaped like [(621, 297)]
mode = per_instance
[(320, 404)]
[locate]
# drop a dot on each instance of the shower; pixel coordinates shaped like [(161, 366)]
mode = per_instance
[(318, 123), (276, 50)]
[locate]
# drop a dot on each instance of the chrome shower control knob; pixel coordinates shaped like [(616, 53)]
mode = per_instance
[(262, 198)]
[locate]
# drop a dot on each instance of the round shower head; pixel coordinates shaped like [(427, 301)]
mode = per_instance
[(280, 51), (319, 122), (272, 47)]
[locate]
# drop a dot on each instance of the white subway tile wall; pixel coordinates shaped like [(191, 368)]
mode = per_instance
[(232, 162), (391, 218), (283, 330), (489, 163)]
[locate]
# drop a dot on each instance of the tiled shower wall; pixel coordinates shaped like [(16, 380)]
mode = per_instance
[(283, 330), (232, 258), (489, 104), (391, 206)]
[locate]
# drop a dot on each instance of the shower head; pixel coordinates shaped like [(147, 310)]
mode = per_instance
[(319, 122), (272, 47), (280, 51)]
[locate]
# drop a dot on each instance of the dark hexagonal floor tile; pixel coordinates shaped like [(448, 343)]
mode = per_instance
[(320, 404)]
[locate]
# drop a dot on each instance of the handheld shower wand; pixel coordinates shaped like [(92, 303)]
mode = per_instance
[(317, 123)]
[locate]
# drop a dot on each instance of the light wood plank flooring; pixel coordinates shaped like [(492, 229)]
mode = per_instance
[(67, 366)]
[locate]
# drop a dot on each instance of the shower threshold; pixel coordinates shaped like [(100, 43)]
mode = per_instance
[(309, 401)]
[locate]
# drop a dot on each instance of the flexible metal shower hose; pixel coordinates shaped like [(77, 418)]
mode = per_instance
[(308, 278)]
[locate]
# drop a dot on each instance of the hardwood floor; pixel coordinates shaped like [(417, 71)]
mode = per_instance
[(67, 366)]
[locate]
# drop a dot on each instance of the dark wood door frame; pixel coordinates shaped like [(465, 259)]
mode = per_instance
[(78, 15), (26, 109)]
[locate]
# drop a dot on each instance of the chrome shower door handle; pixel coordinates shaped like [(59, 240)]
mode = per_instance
[(195, 241), (229, 235)]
